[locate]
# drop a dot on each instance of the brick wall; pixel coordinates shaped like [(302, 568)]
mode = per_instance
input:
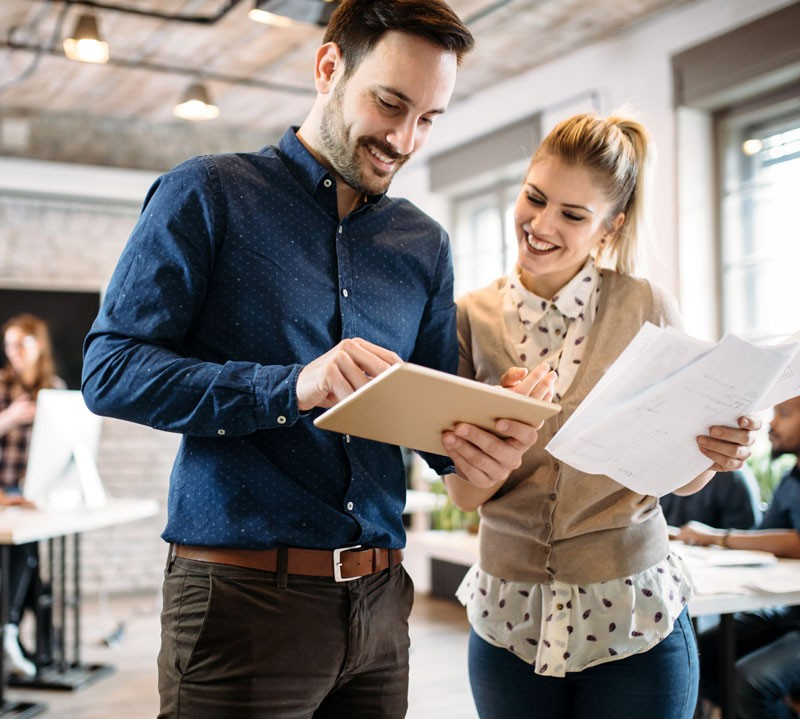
[(53, 241)]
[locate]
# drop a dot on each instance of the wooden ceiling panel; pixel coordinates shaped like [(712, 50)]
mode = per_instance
[(154, 59)]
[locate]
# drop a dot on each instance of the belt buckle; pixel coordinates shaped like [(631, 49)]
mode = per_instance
[(337, 564)]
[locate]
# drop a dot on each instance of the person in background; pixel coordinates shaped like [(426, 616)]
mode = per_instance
[(768, 640), (255, 291), (577, 605), (730, 499), (29, 368)]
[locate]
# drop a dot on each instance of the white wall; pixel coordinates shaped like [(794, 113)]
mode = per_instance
[(632, 68)]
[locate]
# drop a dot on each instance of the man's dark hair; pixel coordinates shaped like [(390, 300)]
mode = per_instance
[(356, 26)]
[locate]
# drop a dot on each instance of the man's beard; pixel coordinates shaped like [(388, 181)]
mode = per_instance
[(343, 152)]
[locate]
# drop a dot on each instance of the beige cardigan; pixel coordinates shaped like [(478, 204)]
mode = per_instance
[(550, 521)]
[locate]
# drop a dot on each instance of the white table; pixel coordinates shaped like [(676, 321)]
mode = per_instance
[(19, 525), (725, 590), (722, 590)]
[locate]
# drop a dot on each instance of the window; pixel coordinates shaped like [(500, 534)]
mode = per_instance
[(484, 243), (760, 249)]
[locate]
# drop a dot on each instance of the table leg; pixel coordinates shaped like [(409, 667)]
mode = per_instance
[(727, 676), (9, 708), (66, 672)]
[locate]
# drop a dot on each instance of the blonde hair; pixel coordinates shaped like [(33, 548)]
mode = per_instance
[(620, 154)]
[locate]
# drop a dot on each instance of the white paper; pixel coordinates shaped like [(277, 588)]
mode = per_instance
[(640, 423)]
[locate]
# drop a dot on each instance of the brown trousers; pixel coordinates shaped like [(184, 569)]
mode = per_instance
[(250, 644)]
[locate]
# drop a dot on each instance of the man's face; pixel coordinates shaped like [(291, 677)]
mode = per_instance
[(784, 429), (380, 115)]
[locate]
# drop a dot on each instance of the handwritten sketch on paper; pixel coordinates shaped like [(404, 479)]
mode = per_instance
[(640, 422)]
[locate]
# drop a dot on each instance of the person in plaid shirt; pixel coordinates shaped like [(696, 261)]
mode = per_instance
[(29, 368)]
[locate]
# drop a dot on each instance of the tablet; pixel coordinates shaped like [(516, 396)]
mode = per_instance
[(411, 406)]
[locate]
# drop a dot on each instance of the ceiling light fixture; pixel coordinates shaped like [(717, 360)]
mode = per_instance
[(85, 44), (196, 104), (283, 12)]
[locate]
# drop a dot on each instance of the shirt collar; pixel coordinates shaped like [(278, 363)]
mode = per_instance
[(305, 167), (570, 301)]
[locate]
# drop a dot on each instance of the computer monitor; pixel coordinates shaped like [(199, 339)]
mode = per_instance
[(61, 472)]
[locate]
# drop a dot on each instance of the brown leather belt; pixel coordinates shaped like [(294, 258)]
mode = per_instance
[(342, 564)]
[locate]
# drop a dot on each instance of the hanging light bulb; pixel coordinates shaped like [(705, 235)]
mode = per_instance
[(281, 13), (85, 44), (196, 104)]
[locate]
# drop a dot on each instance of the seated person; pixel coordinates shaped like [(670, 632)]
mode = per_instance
[(731, 500), (767, 641), (28, 369)]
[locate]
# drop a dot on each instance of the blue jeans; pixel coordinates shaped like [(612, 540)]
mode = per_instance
[(658, 684), (767, 666)]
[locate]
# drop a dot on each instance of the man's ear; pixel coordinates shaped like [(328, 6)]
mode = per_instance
[(328, 65)]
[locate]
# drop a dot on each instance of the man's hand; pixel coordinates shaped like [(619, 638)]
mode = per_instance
[(340, 372), (484, 459), (729, 447), (700, 534)]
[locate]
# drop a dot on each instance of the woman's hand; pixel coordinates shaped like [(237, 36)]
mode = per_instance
[(727, 447), (730, 447), (539, 383), (18, 414)]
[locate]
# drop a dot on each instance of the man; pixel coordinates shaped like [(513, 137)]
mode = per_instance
[(256, 290), (767, 641), (731, 500)]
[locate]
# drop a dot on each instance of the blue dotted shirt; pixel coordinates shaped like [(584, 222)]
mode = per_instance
[(784, 509), (237, 274)]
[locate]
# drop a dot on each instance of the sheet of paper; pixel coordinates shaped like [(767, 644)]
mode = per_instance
[(788, 384), (639, 426)]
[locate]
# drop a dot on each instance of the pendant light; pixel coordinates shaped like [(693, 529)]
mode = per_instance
[(196, 104), (85, 44)]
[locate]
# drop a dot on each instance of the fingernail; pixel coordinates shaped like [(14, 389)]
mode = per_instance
[(702, 440), (502, 425)]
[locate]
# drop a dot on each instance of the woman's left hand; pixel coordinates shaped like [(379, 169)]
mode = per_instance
[(729, 447)]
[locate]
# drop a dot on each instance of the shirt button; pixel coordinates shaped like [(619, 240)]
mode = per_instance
[(349, 506), (340, 229), (345, 293), (554, 496), (281, 419), (327, 182), (548, 526), (347, 438), (220, 432), (559, 607), (556, 466)]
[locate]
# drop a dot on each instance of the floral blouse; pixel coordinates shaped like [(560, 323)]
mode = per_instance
[(558, 627)]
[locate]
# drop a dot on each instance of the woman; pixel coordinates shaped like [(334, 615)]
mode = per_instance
[(29, 368), (577, 606)]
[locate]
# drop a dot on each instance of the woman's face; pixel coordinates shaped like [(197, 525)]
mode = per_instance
[(22, 350), (561, 215)]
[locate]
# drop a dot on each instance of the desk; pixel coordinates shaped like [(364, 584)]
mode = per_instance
[(725, 590), (20, 526)]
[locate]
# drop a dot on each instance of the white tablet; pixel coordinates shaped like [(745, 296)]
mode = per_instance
[(411, 406)]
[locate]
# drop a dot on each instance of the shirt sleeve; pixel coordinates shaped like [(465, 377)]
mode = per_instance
[(784, 509), (135, 367)]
